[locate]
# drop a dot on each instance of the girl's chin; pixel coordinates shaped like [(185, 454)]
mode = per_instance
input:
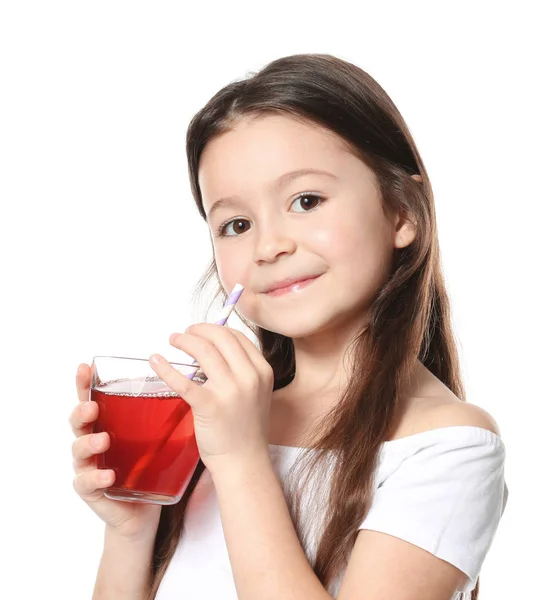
[(291, 332)]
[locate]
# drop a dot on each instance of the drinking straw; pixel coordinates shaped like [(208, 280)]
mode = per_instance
[(175, 418), (223, 316)]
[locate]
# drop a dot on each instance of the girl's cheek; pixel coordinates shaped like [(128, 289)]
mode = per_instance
[(232, 270), (323, 237)]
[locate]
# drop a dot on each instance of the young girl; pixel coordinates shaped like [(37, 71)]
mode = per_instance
[(319, 204)]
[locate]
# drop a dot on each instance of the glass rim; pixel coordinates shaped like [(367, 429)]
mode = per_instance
[(145, 360)]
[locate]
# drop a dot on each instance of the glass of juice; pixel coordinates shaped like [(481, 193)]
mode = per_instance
[(153, 449)]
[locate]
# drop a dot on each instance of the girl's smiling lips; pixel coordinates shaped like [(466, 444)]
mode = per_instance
[(291, 284)]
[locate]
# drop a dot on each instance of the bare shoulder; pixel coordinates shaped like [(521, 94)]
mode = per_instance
[(464, 413), (435, 406)]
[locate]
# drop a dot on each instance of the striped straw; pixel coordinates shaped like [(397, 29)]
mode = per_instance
[(223, 317)]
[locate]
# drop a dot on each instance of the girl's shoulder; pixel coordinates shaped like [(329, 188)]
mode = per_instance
[(437, 413), (434, 406)]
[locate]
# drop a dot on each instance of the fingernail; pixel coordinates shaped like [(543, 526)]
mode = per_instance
[(105, 477), (96, 440), (157, 359)]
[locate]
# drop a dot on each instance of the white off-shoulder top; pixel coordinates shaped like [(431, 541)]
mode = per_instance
[(442, 490)]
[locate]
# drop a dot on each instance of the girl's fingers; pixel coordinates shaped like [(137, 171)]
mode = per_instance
[(181, 384), (210, 358), (87, 446), (255, 356), (239, 352), (82, 418), (206, 354), (83, 382), (207, 341), (89, 485), (86, 412)]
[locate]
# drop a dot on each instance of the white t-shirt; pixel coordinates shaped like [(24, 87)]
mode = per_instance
[(442, 490)]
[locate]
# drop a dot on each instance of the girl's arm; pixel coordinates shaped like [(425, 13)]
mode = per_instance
[(125, 569), (266, 556)]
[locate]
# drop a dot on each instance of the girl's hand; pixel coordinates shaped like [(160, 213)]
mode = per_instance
[(231, 409), (131, 520)]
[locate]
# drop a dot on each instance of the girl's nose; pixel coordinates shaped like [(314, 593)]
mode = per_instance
[(273, 242)]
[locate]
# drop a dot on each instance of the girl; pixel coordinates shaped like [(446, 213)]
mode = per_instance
[(319, 204)]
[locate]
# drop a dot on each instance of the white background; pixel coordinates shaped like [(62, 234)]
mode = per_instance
[(101, 244)]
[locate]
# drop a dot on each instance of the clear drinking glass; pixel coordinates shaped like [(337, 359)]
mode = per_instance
[(152, 449)]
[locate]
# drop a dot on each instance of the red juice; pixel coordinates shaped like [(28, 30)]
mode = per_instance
[(152, 449)]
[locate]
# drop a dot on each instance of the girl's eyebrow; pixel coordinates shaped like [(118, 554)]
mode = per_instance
[(276, 185)]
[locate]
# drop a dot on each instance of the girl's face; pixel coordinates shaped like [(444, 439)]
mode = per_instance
[(277, 227)]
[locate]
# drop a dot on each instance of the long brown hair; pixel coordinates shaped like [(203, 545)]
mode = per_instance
[(408, 320)]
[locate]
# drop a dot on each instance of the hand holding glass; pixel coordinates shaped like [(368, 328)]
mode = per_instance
[(153, 449)]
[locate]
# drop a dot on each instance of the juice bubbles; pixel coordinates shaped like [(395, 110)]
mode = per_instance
[(150, 465)]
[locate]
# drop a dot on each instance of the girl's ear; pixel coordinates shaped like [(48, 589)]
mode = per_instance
[(405, 229), (405, 232)]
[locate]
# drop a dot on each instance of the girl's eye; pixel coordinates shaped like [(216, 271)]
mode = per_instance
[(237, 225), (308, 196), (239, 222)]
